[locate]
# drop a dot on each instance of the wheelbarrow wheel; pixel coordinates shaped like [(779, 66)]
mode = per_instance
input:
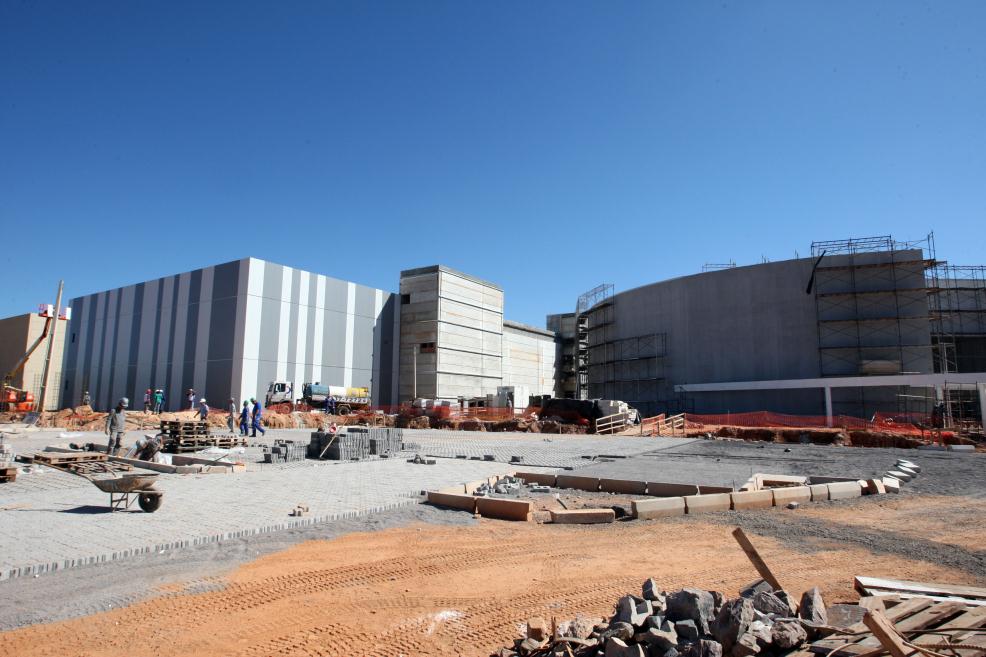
[(149, 502)]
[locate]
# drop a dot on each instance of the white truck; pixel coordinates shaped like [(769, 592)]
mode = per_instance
[(282, 396)]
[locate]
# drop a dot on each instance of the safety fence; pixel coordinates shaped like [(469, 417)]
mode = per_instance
[(661, 425), (910, 425)]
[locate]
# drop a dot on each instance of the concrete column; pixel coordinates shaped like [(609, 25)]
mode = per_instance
[(829, 421)]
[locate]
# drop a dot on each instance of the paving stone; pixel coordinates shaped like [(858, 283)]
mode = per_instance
[(891, 485), (899, 474)]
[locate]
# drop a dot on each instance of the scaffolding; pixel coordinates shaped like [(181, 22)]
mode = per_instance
[(601, 294), (871, 299)]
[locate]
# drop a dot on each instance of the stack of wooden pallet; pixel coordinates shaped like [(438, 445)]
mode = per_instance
[(181, 437), (7, 474)]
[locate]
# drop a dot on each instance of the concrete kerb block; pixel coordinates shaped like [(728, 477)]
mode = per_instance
[(875, 487), (540, 478), (899, 475), (819, 492), (788, 494), (754, 499), (578, 483), (625, 486), (712, 490), (659, 489), (664, 507), (844, 490), (452, 501), (891, 485), (909, 464), (705, 503), (491, 507), (583, 516)]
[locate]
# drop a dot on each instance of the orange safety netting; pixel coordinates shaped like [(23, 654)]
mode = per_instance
[(880, 422)]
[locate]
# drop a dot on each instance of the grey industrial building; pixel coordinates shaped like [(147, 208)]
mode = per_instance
[(862, 326), (227, 331)]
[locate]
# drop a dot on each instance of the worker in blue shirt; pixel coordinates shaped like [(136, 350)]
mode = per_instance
[(258, 411), (245, 418)]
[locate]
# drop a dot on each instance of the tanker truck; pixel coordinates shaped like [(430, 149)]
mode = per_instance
[(281, 397)]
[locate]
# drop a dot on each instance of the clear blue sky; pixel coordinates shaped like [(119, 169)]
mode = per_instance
[(547, 146)]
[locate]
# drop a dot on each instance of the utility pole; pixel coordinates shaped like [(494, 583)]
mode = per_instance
[(50, 347)]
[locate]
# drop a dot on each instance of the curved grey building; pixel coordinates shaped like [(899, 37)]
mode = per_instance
[(851, 330)]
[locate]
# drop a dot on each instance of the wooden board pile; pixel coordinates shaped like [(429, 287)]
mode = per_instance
[(85, 463)]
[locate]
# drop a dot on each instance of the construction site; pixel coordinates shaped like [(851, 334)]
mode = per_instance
[(784, 458)]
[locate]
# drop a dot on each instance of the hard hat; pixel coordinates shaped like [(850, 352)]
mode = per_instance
[(202, 400), (253, 399), (124, 401)]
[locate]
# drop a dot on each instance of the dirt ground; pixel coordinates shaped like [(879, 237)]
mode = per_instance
[(466, 590)]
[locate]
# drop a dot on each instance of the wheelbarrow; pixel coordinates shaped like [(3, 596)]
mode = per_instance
[(124, 490)]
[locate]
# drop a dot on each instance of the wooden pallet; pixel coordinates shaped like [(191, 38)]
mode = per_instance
[(96, 467), (904, 589), (68, 458), (922, 621), (8, 474)]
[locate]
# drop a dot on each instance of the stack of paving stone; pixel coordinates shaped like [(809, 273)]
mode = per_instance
[(385, 441), (349, 444), (283, 451), (686, 623)]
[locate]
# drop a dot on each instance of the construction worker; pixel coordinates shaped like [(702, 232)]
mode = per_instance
[(258, 412), (231, 420), (86, 401), (158, 401), (191, 399), (147, 400), (330, 405), (203, 410), (245, 418), (116, 426)]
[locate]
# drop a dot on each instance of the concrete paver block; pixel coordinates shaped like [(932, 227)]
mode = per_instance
[(909, 464), (703, 503), (626, 486), (453, 500), (659, 489), (819, 492), (491, 507), (659, 508), (799, 494), (542, 478), (891, 485), (583, 516), (844, 490), (754, 499), (906, 470)]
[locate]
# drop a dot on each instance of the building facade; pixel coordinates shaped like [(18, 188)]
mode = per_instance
[(228, 331), (456, 345), (17, 335)]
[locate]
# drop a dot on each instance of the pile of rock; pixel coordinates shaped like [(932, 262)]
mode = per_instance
[(686, 623)]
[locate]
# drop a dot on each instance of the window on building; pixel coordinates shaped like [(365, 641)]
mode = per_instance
[(405, 299), (427, 347)]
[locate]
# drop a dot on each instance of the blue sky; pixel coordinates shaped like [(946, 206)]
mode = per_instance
[(545, 146)]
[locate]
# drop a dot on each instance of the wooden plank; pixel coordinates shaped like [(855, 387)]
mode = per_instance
[(936, 598), (901, 611), (972, 617), (884, 631), (906, 586), (755, 559)]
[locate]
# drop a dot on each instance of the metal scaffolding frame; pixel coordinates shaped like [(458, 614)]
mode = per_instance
[(602, 293)]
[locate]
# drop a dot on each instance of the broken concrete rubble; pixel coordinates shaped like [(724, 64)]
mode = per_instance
[(691, 622)]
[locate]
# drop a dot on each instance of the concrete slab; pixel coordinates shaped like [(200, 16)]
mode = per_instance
[(583, 516), (659, 489), (491, 507), (705, 503), (754, 499), (788, 494), (625, 486), (819, 492), (844, 490), (578, 483), (712, 490), (658, 508), (909, 464)]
